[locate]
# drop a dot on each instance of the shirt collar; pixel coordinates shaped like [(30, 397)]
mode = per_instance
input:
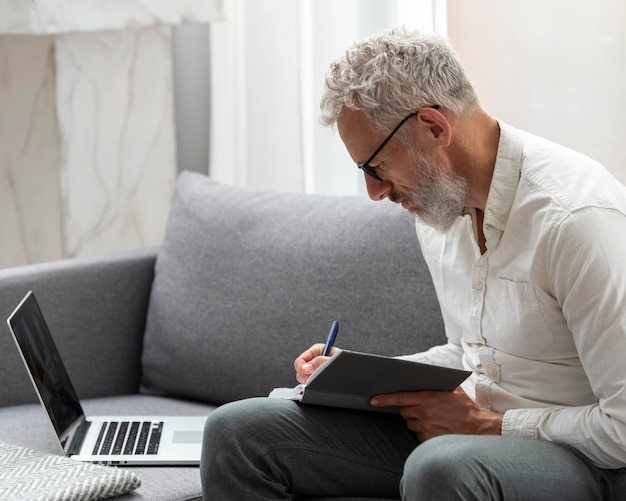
[(506, 175)]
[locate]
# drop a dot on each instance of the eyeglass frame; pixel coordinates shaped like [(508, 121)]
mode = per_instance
[(365, 166)]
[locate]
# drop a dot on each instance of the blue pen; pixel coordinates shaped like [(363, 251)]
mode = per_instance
[(331, 338)]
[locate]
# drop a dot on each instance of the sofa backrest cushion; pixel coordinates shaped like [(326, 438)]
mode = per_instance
[(245, 281)]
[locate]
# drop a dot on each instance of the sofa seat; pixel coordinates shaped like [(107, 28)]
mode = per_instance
[(29, 426)]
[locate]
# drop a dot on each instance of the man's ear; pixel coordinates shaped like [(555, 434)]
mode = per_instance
[(435, 126)]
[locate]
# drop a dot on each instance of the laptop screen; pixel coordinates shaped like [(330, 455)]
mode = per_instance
[(44, 363)]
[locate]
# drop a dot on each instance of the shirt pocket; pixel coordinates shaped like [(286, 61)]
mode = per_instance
[(520, 327)]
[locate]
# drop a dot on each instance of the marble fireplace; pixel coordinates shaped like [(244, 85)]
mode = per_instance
[(87, 139)]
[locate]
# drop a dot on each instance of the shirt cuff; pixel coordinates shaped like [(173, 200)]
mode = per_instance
[(521, 422)]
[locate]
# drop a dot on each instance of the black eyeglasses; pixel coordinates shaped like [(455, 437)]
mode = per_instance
[(365, 166)]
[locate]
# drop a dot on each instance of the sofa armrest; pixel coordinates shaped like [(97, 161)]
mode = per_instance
[(96, 310)]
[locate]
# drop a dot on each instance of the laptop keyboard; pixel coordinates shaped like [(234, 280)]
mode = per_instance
[(129, 438)]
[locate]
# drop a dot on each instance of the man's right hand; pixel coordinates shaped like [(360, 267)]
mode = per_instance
[(309, 361)]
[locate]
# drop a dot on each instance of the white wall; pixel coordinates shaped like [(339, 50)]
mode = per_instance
[(553, 67)]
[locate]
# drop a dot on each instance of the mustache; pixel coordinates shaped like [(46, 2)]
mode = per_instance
[(398, 196)]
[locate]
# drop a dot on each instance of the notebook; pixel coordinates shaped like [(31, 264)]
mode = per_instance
[(350, 379), (133, 440)]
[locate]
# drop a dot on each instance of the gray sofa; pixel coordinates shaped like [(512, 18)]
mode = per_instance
[(243, 282)]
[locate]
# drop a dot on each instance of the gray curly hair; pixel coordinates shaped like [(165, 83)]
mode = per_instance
[(394, 73)]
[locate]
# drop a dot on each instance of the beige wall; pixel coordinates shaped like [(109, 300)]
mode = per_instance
[(553, 67)]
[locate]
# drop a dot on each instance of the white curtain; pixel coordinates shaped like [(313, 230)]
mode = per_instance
[(268, 62)]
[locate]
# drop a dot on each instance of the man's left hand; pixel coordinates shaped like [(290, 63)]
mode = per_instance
[(434, 413)]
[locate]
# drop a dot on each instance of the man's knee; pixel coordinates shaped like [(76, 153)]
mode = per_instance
[(236, 439), (428, 466), (235, 425), (229, 417), (450, 467), (222, 431), (494, 467)]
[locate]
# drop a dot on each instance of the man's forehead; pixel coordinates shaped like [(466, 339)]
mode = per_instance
[(356, 132), (351, 119)]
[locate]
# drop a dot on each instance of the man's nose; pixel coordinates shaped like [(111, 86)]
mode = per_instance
[(377, 190)]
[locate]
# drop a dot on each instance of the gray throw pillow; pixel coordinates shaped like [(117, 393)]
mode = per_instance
[(27, 474), (245, 281)]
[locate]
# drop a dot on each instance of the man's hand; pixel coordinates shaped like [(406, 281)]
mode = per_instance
[(434, 413), (310, 360)]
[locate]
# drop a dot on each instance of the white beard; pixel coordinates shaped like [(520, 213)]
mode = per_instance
[(440, 196)]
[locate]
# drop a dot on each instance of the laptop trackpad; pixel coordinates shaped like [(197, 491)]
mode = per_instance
[(188, 437)]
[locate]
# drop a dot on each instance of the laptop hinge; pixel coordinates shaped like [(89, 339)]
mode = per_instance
[(79, 437)]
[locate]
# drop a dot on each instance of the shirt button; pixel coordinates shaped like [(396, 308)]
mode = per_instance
[(477, 285)]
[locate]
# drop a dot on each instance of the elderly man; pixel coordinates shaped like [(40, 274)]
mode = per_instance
[(525, 243)]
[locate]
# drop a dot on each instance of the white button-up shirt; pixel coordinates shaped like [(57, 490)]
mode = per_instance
[(540, 317)]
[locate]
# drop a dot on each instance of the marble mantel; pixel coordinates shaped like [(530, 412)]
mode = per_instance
[(87, 142), (48, 17)]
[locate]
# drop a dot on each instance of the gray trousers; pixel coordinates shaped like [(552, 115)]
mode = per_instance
[(270, 449)]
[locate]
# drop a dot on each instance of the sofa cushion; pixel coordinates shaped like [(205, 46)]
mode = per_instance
[(245, 281)]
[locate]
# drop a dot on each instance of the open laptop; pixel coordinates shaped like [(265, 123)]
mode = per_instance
[(137, 440)]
